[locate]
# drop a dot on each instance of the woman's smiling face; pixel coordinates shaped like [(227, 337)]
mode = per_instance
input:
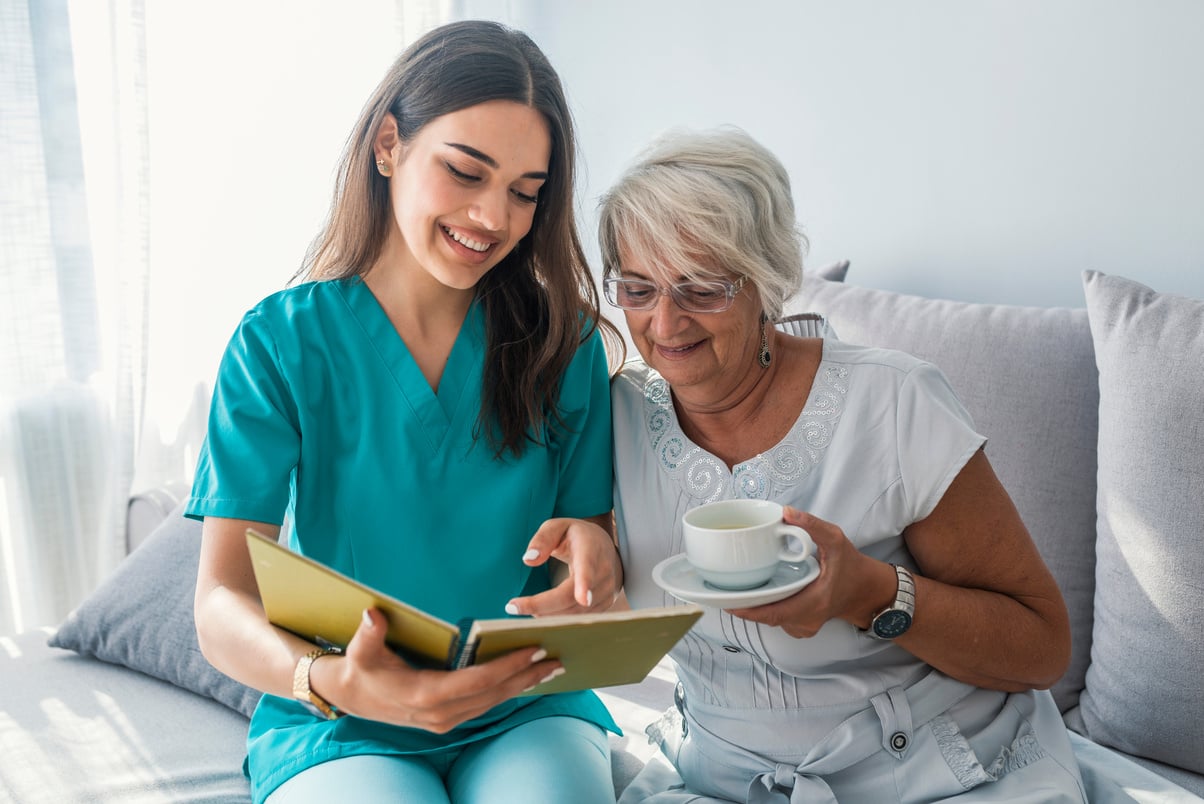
[(702, 354), (464, 189)]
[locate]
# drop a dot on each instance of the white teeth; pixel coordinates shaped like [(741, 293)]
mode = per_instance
[(464, 241)]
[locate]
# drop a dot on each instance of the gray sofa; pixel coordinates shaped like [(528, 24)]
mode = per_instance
[(116, 704), (1095, 421)]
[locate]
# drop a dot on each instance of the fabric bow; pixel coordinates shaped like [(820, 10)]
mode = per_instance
[(787, 784)]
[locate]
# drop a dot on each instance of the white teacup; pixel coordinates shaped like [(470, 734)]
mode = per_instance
[(738, 544)]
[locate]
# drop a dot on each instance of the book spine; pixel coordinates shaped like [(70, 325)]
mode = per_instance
[(465, 650)]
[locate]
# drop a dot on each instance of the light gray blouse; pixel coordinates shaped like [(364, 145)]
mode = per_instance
[(879, 440)]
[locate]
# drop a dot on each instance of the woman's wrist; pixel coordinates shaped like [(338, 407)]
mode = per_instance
[(324, 679), (880, 585)]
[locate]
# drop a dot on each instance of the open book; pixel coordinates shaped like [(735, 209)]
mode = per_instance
[(597, 650)]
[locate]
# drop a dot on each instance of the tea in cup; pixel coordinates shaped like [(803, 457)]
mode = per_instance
[(738, 544)]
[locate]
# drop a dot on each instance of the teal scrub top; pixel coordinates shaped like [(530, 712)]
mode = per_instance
[(319, 410)]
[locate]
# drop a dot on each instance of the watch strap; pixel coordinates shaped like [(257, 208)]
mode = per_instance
[(905, 603), (301, 688)]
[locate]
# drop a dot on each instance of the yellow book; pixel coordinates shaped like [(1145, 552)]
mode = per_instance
[(597, 650)]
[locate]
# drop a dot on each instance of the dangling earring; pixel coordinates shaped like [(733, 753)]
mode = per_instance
[(764, 357), (383, 167)]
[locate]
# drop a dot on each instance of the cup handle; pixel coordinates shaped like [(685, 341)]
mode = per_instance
[(785, 533)]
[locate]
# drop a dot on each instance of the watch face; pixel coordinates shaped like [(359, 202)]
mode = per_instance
[(892, 623)]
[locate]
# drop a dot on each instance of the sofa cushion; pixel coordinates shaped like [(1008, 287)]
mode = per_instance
[(1028, 378), (141, 617), (1145, 687), (74, 730)]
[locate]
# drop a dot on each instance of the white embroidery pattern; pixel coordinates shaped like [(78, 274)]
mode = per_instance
[(761, 477)]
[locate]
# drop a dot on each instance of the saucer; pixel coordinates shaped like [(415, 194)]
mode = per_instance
[(677, 577)]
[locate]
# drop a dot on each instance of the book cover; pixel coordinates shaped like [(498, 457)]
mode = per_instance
[(597, 650)]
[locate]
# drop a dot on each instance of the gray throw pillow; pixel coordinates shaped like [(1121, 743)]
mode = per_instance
[(1145, 687), (1027, 376), (141, 617)]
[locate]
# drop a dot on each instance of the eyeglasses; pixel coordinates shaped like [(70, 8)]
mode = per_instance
[(713, 296)]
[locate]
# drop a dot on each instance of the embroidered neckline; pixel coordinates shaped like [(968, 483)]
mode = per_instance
[(763, 476)]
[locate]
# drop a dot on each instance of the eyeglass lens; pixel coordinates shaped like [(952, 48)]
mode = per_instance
[(696, 297)]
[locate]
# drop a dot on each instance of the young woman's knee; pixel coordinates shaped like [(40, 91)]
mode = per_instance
[(537, 762)]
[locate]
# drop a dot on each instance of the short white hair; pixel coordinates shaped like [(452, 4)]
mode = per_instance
[(706, 203)]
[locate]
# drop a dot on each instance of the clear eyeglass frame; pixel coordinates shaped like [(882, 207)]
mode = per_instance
[(711, 296)]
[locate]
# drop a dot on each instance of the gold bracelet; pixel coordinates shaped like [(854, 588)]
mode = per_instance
[(301, 690)]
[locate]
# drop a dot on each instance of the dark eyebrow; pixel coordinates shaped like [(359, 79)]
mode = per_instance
[(489, 160)]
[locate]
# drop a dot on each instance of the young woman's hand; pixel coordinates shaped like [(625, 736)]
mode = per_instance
[(595, 573), (369, 680)]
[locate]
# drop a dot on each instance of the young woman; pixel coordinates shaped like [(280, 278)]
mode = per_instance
[(431, 410)]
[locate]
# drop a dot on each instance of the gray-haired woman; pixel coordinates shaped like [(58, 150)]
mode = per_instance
[(910, 668)]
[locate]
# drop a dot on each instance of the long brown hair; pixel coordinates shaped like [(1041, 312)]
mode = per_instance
[(540, 302)]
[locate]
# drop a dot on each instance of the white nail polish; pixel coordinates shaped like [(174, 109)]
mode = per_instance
[(539, 656), (511, 608), (557, 673), (589, 597), (531, 555)]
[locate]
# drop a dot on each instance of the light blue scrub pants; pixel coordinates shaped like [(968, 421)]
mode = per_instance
[(546, 761)]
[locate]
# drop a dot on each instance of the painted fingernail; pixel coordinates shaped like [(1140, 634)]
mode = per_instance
[(531, 555), (589, 597), (539, 656), (367, 620), (557, 673), (511, 608)]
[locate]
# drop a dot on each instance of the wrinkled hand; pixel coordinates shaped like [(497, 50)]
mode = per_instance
[(836, 593), (369, 680), (595, 572)]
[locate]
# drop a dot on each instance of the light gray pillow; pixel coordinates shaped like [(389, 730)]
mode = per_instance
[(141, 617), (1145, 686), (1027, 376)]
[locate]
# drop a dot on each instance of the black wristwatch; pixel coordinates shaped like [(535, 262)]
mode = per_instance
[(893, 621)]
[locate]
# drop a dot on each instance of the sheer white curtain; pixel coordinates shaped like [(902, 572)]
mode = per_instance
[(163, 166), (73, 277)]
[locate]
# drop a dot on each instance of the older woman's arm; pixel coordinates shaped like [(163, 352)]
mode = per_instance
[(988, 611)]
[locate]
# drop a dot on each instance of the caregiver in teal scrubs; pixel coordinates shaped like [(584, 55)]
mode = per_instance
[(431, 409)]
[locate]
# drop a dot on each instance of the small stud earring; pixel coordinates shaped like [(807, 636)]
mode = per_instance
[(383, 167)]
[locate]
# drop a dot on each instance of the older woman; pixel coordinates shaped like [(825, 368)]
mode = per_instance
[(913, 667)]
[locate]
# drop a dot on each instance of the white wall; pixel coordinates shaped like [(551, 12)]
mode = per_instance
[(983, 151), (249, 105)]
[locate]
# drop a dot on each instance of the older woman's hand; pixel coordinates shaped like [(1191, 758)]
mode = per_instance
[(840, 591), (595, 573), (988, 611)]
